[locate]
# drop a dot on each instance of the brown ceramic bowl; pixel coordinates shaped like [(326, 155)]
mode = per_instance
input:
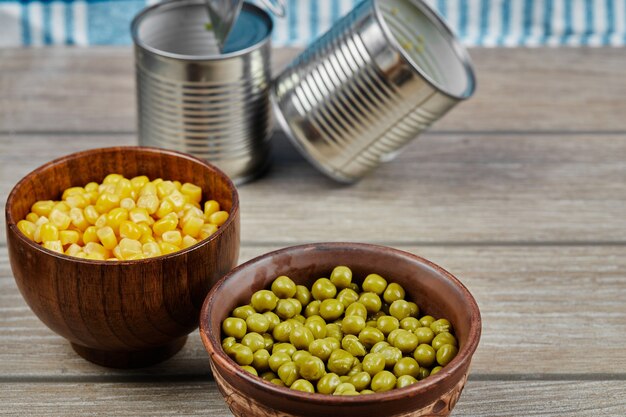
[(121, 314), (436, 291)]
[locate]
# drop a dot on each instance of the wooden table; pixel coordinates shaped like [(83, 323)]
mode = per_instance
[(520, 192)]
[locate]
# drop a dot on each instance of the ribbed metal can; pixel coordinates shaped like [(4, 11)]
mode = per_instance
[(378, 78), (192, 98)]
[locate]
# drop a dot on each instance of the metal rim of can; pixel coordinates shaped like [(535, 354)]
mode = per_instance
[(445, 30), (165, 5)]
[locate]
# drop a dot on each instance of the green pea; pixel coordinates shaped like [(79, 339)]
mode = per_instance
[(373, 363), (257, 323), (369, 336), (356, 309), (360, 380), (312, 309), (405, 341), (277, 381), (426, 321), (424, 334), (371, 323), (317, 327), (284, 287), (227, 343), (392, 336), (423, 373), (344, 378), (243, 312), (347, 297), (300, 357), (355, 287), (285, 309), (425, 355), (242, 354), (446, 353), (374, 283), (234, 327), (287, 348), (254, 341), (392, 355), (264, 300), (303, 294), (393, 292), (334, 330), (340, 362), (323, 289), (272, 319), (301, 337), (371, 301), (444, 338), (341, 277), (414, 309), (352, 324), (250, 369), (269, 341), (400, 309), (321, 348), (367, 391), (383, 381), (268, 376), (435, 370), (303, 385), (352, 344), (328, 383), (406, 366), (331, 309), (334, 343), (299, 318), (312, 369), (281, 331), (440, 326), (294, 323), (288, 373), (378, 347), (405, 381), (261, 360), (345, 388), (410, 323), (387, 324), (357, 367), (277, 359)]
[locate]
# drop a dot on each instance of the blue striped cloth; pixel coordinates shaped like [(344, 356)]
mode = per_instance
[(477, 22)]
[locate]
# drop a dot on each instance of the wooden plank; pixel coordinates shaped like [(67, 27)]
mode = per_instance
[(480, 398), (544, 310), (442, 188), (542, 89)]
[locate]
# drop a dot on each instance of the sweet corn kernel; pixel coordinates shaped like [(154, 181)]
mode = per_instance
[(157, 181), (27, 228), (62, 206), (166, 207), (48, 232), (146, 239), (73, 249), (151, 249), (117, 252), (193, 226), (93, 247), (41, 220), (95, 256), (173, 236), (42, 208), (77, 217), (218, 218), (188, 241), (106, 202), (139, 182), (127, 203), (130, 247), (77, 201), (32, 217), (177, 199), (112, 179), (167, 248), (150, 202), (165, 188), (60, 219), (130, 230), (135, 257), (107, 237), (148, 189), (138, 215), (115, 218), (192, 191), (102, 221), (91, 214), (211, 207), (207, 230), (92, 196), (90, 235), (81, 255), (123, 188), (54, 245), (92, 186), (177, 184), (145, 229), (72, 191), (68, 237), (166, 224)]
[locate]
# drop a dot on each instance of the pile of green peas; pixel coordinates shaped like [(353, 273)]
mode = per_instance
[(337, 338)]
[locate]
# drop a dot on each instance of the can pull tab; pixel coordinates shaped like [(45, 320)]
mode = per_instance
[(224, 13)]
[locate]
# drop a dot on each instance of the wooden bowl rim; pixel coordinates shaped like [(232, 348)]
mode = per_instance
[(214, 348), (12, 224)]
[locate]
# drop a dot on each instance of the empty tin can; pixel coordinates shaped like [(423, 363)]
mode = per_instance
[(194, 99), (378, 78)]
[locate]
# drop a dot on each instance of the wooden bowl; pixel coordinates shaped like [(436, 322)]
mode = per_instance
[(121, 314), (436, 291)]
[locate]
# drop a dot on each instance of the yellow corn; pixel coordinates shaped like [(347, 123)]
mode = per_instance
[(102, 221), (42, 208), (60, 219), (115, 218), (68, 237), (177, 199), (93, 247), (27, 228), (193, 226), (78, 219), (146, 239), (135, 257), (123, 188), (92, 196), (92, 186), (157, 181), (106, 202), (207, 230), (138, 215), (148, 189), (107, 237), (211, 207), (81, 255), (145, 229), (188, 241), (54, 245), (192, 191), (151, 249), (127, 203), (48, 232), (165, 188), (130, 247), (166, 207), (32, 217), (95, 256), (130, 230), (150, 202), (139, 182), (90, 234), (72, 191), (77, 201), (167, 248), (112, 179), (117, 252), (218, 218), (166, 224), (173, 236), (177, 184), (91, 214), (73, 249), (62, 206)]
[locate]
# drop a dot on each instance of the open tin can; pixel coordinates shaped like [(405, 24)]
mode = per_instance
[(378, 78), (192, 97)]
